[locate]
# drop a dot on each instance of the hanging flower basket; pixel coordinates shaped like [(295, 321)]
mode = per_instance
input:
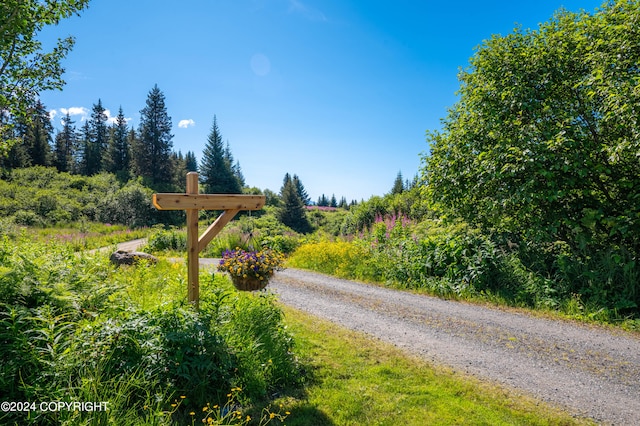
[(250, 270), (248, 283)]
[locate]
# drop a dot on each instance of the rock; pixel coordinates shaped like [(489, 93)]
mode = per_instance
[(122, 257)]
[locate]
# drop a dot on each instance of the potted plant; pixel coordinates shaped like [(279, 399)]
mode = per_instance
[(250, 270)]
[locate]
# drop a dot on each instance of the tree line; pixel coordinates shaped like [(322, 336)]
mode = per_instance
[(98, 147)]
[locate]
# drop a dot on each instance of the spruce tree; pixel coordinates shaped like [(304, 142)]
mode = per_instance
[(65, 146), (83, 153), (37, 136), (398, 185), (118, 156), (191, 162), (99, 139), (216, 172), (323, 201), (292, 213), (302, 193), (152, 152)]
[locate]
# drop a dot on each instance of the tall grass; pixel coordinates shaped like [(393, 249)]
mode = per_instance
[(456, 261), (75, 328)]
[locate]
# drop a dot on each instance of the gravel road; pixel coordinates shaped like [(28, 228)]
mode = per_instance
[(591, 371)]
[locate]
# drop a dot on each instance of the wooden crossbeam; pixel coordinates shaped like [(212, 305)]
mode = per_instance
[(191, 202), (171, 201)]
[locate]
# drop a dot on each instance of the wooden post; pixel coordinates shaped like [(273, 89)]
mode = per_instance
[(193, 260), (192, 202)]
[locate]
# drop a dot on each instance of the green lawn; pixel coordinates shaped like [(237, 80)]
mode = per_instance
[(355, 380)]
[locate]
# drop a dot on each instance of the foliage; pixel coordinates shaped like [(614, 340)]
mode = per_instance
[(251, 264), (543, 143), (73, 328), (152, 149), (54, 198), (25, 69), (216, 169), (459, 261), (340, 258), (162, 239), (129, 205), (292, 212)]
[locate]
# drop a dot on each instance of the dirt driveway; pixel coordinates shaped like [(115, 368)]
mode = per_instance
[(589, 370)]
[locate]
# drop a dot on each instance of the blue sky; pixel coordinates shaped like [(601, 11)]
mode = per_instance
[(338, 92)]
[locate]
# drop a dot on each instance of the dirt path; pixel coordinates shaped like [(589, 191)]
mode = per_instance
[(591, 371)]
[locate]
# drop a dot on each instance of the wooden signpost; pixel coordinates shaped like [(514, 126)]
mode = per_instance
[(192, 201)]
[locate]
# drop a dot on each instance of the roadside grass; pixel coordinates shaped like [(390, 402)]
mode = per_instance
[(356, 380)]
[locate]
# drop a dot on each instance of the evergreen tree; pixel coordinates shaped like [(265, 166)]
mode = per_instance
[(191, 163), (398, 185), (235, 166), (36, 134), (333, 202), (343, 203), (83, 161), (237, 171), (302, 193), (179, 167), (216, 172), (118, 156), (65, 146), (151, 153), (323, 201), (133, 144), (99, 139), (292, 213)]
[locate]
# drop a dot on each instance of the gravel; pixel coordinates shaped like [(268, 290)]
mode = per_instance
[(591, 371)]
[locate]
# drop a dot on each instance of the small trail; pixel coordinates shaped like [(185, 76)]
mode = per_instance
[(592, 371)]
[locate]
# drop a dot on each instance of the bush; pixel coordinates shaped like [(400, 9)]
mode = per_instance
[(341, 258), (72, 327), (167, 239)]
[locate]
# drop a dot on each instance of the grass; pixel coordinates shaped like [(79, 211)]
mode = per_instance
[(355, 380)]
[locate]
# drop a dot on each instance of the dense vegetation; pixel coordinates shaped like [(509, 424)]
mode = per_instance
[(529, 196), (530, 193), (75, 328)]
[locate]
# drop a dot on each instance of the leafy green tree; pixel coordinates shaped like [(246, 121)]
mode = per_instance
[(216, 172), (25, 69), (544, 141), (65, 146), (292, 213), (153, 147)]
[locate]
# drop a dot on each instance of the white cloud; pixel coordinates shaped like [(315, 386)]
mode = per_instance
[(82, 111), (183, 124), (111, 119)]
